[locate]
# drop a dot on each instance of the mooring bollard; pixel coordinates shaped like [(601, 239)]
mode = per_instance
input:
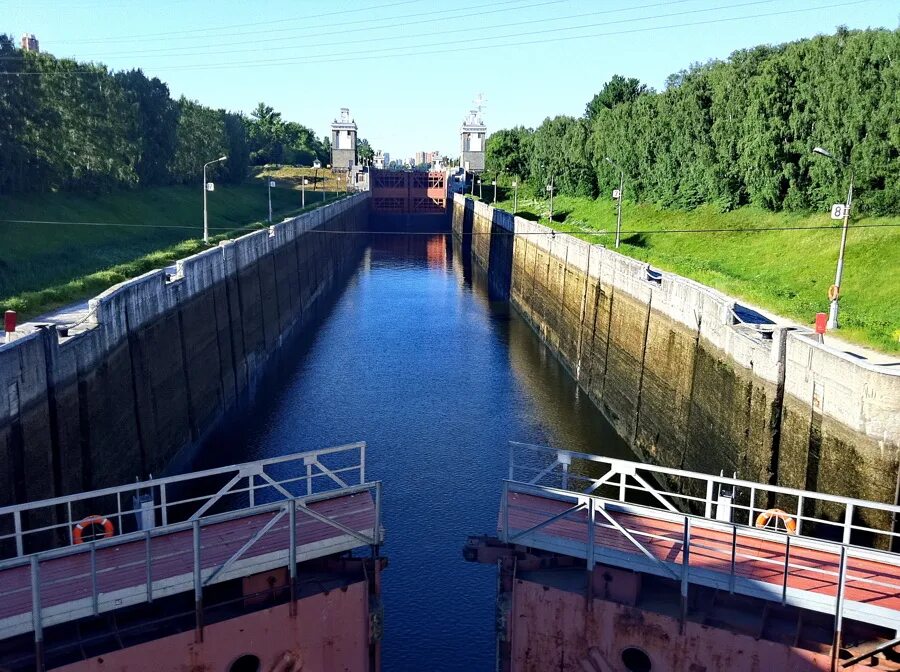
[(821, 325), (9, 324)]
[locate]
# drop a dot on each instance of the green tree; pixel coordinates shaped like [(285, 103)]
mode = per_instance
[(364, 151), (616, 91), (507, 152)]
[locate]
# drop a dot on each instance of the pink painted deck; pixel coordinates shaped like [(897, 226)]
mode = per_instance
[(760, 558), (122, 569)]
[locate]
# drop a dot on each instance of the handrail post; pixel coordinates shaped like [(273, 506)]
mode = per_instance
[(709, 498), (752, 506), (848, 523), (590, 533), (163, 505), (506, 511), (36, 615), (839, 611), (787, 557), (149, 557), (95, 601), (251, 486), (733, 558), (292, 554), (198, 586), (20, 544), (622, 486), (362, 463), (512, 463), (685, 566), (376, 533)]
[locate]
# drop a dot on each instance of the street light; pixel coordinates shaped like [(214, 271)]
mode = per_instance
[(618, 200), (303, 193), (271, 184), (205, 187), (494, 182), (550, 189), (515, 195), (316, 165), (835, 292)]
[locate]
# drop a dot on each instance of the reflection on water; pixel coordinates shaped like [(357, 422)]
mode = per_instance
[(415, 359)]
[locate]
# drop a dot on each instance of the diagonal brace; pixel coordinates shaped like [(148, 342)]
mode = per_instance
[(243, 549), (215, 498), (340, 526), (612, 521), (577, 507)]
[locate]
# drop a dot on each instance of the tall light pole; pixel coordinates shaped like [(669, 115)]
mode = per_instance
[(271, 184), (303, 193), (550, 189), (205, 218), (618, 200), (316, 165), (834, 294), (480, 192), (516, 195), (494, 182)]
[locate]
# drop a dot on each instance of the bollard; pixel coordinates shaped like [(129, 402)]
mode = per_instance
[(821, 325), (9, 324)]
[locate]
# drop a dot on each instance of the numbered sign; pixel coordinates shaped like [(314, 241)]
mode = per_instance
[(838, 211), (272, 183), (616, 194), (317, 164), (210, 186)]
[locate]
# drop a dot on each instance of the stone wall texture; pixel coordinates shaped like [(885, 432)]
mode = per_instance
[(681, 378), (162, 358)]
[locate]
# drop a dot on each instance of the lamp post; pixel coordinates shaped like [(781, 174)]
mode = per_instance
[(550, 189), (303, 193), (473, 184), (205, 217), (515, 185), (618, 200), (834, 294), (316, 165), (494, 182), (480, 192), (271, 184)]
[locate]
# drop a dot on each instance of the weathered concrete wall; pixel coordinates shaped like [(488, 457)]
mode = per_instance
[(161, 359), (680, 378)]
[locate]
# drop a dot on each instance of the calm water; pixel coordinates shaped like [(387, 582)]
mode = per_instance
[(414, 359)]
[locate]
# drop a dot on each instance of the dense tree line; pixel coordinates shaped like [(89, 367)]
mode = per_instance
[(78, 126), (733, 132)]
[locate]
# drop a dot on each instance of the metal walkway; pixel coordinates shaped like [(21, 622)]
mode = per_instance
[(638, 516), (172, 539)]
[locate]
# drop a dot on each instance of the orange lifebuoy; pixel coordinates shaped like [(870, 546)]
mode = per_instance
[(833, 292), (99, 521), (762, 520)]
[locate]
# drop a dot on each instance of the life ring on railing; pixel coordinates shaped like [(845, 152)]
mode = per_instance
[(762, 520), (98, 521), (834, 292)]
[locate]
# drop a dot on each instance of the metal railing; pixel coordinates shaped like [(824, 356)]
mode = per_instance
[(203, 547), (38, 526), (615, 512), (723, 498)]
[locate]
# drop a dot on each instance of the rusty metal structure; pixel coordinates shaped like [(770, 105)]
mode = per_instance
[(408, 192), (200, 570), (608, 564)]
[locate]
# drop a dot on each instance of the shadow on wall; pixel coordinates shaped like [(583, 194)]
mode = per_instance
[(500, 256)]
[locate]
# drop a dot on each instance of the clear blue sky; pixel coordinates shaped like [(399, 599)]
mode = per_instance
[(409, 69)]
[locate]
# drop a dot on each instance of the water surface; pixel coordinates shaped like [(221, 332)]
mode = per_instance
[(416, 360)]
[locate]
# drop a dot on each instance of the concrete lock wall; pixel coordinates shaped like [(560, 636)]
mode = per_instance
[(160, 360), (681, 378)]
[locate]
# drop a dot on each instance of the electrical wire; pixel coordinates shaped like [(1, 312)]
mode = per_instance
[(369, 56), (554, 232)]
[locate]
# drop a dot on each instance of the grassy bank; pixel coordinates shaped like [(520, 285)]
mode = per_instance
[(64, 247), (787, 271)]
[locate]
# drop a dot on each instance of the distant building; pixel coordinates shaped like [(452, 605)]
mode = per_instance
[(471, 140), (434, 158), (343, 142), (379, 160), (387, 159), (30, 43), (420, 159)]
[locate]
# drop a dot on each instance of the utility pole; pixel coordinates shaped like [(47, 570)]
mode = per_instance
[(618, 200), (834, 292), (550, 189), (205, 216)]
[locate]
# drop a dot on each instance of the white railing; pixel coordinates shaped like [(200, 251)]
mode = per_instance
[(816, 515), (39, 526)]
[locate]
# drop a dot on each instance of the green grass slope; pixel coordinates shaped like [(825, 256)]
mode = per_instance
[(787, 271), (62, 248)]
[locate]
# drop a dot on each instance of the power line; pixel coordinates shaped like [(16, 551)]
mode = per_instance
[(593, 232), (170, 52), (191, 31), (357, 58)]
